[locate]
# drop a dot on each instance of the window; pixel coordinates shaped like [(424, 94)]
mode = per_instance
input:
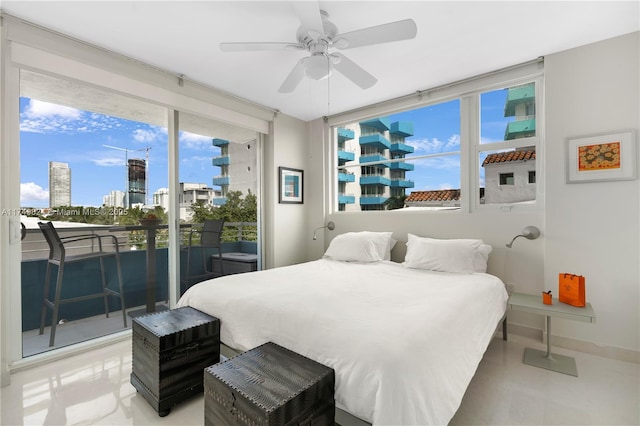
[(414, 158), (507, 146), (506, 178), (417, 150)]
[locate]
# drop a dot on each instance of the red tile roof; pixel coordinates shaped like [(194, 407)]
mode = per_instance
[(431, 196), (504, 157)]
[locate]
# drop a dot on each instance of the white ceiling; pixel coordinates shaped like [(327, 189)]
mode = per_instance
[(456, 39)]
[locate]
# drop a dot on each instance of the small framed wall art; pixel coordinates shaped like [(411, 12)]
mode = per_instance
[(602, 157), (290, 186)]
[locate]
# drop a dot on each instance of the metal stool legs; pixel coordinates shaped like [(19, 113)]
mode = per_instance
[(55, 305)]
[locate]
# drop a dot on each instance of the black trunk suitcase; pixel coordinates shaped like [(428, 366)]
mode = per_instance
[(171, 349), (269, 386)]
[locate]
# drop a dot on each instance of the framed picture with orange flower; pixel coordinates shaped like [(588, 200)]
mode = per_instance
[(602, 157)]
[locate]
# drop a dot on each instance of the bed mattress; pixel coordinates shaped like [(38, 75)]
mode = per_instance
[(404, 343)]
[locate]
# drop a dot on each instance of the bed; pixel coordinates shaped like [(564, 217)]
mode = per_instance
[(404, 341)]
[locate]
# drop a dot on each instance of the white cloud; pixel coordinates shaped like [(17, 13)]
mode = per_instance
[(142, 135), (186, 136), (109, 161), (45, 117), (435, 145), (196, 159), (37, 109), (31, 191), (193, 141)]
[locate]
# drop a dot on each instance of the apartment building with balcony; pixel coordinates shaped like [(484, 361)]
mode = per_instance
[(190, 193), (238, 168), (370, 144), (520, 104)]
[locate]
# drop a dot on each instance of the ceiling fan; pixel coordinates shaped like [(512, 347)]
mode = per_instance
[(319, 36)]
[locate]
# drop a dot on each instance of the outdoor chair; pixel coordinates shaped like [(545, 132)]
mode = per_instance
[(58, 257), (210, 237)]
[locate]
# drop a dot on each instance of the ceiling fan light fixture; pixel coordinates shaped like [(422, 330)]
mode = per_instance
[(317, 67), (318, 35)]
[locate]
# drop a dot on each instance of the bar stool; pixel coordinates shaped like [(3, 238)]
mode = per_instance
[(58, 257)]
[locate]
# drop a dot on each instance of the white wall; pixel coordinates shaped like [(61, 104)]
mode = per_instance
[(285, 224), (588, 229), (592, 228)]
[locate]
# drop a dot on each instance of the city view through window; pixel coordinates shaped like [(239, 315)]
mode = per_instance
[(412, 158), (82, 166)]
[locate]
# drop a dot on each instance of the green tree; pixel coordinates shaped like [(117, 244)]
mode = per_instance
[(236, 209), (395, 202)]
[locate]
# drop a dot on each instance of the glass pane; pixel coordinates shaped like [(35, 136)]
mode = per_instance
[(381, 160), (437, 183), (89, 160), (219, 181), (508, 176), (507, 114)]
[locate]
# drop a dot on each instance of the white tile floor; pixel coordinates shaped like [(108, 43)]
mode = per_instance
[(93, 388)]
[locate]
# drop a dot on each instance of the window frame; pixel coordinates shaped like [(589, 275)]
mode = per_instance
[(508, 178), (536, 141), (470, 147)]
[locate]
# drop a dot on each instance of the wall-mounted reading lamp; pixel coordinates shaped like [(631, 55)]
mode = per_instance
[(330, 226), (530, 233)]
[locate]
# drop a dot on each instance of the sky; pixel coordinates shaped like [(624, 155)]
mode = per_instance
[(436, 130), (50, 132)]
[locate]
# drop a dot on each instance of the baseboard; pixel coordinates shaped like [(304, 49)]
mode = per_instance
[(525, 331), (612, 352)]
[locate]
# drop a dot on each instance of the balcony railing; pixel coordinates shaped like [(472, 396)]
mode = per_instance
[(78, 276)]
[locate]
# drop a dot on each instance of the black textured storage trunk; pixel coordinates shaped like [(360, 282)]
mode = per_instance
[(268, 386), (171, 349)]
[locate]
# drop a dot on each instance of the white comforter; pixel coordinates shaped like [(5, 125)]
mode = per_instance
[(404, 343)]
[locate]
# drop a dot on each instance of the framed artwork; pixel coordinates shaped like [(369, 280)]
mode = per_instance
[(290, 186), (602, 157)]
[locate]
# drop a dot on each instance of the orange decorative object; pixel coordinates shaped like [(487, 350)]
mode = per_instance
[(547, 298), (571, 289)]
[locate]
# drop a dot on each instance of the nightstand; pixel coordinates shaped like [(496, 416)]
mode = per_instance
[(548, 360)]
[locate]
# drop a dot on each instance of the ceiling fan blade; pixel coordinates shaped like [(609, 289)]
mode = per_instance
[(294, 77), (259, 46), (353, 71), (393, 31), (309, 14)]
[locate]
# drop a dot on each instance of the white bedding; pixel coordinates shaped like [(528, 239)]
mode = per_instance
[(404, 343)]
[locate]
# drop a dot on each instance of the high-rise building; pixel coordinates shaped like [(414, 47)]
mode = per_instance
[(238, 168), (370, 143), (137, 181), (161, 198), (59, 184), (114, 199)]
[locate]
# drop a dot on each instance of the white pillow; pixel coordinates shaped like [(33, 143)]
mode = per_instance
[(362, 246), (383, 241), (456, 255), (481, 258)]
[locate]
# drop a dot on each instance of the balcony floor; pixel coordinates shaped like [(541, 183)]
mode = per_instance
[(73, 332)]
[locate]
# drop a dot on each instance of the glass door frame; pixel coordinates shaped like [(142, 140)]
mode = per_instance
[(111, 74)]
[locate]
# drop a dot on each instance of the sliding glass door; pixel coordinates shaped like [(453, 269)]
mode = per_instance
[(219, 180), (89, 161)]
